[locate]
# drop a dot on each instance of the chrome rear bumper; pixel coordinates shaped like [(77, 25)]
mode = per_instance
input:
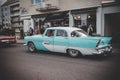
[(104, 51)]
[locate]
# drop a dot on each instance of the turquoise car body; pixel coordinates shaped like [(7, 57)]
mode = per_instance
[(86, 45)]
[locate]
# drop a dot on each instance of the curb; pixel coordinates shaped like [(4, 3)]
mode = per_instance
[(20, 42)]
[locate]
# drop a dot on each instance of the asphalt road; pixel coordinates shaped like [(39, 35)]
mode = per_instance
[(18, 64)]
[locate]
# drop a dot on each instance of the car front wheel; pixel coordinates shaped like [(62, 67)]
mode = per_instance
[(31, 47), (73, 53)]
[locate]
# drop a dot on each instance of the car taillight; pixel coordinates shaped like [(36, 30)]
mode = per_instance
[(98, 43), (13, 39)]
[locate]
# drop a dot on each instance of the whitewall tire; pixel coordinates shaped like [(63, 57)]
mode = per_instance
[(31, 47)]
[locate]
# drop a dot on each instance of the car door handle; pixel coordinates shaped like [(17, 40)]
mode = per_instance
[(47, 43)]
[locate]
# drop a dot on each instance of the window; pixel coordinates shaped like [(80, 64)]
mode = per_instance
[(61, 33), (6, 24), (37, 1), (2, 9), (50, 33), (5, 14), (78, 33), (5, 8)]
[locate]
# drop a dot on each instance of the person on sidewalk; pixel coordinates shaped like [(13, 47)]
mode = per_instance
[(84, 27), (30, 31), (21, 33), (90, 30)]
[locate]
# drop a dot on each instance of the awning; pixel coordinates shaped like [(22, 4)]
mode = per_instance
[(39, 15), (57, 16), (25, 17), (84, 10)]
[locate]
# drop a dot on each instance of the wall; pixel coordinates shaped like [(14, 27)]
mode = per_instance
[(108, 10), (26, 4), (6, 16), (78, 4), (63, 5)]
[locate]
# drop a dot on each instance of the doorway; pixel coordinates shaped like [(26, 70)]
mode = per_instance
[(112, 26)]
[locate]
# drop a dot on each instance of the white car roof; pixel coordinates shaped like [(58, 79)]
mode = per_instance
[(70, 29)]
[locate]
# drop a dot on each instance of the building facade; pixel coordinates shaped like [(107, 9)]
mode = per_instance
[(1, 2), (5, 16), (40, 14), (57, 13), (110, 19), (11, 16)]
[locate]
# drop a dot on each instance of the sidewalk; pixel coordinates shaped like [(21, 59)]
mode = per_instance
[(116, 47), (20, 41)]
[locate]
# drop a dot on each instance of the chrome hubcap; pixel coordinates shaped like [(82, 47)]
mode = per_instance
[(31, 47), (73, 53)]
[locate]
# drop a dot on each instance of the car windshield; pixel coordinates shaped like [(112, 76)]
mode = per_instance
[(78, 33)]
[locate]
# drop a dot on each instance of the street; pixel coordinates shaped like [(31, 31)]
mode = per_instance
[(16, 63)]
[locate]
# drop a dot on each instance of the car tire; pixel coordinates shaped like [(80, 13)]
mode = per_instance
[(31, 47), (73, 53), (106, 54)]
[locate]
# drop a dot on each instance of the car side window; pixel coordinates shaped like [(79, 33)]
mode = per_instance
[(61, 33), (50, 33), (75, 34)]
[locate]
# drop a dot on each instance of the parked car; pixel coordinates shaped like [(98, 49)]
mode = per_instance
[(7, 37), (73, 41), (7, 40)]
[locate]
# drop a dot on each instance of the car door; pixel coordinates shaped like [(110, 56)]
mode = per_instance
[(60, 41), (48, 39)]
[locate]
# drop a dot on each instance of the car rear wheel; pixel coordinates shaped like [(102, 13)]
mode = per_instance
[(73, 53), (31, 47)]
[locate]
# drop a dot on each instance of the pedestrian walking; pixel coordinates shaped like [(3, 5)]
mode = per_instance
[(90, 30), (21, 33), (30, 31)]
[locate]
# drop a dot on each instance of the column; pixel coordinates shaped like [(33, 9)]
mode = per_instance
[(99, 21), (32, 23), (71, 20)]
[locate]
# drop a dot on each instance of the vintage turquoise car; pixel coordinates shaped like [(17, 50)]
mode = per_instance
[(70, 40)]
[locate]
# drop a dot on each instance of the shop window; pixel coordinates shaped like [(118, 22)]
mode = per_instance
[(77, 23), (77, 20), (91, 19)]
